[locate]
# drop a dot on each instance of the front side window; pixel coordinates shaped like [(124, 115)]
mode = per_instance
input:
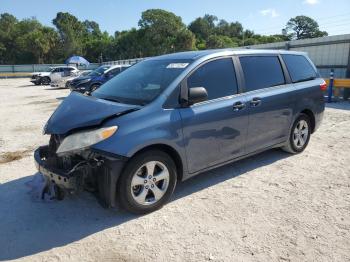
[(114, 71), (217, 77), (143, 82), (261, 72), (299, 68)]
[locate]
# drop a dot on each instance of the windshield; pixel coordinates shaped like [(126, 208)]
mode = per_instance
[(99, 71), (143, 82)]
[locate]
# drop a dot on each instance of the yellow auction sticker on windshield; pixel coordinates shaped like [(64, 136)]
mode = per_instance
[(177, 65)]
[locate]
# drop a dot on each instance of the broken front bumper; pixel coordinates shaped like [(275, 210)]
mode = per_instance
[(101, 172), (63, 179)]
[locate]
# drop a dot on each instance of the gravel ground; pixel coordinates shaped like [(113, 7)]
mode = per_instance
[(270, 207)]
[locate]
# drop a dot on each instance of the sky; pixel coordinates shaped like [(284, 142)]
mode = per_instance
[(263, 17)]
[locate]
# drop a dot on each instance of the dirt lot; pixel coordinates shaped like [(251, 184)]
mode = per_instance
[(271, 207)]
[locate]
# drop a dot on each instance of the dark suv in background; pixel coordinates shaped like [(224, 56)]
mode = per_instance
[(96, 78), (171, 117)]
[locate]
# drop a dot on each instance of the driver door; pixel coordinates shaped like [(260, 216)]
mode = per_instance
[(215, 130)]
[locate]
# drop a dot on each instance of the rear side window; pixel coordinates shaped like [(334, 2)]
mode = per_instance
[(261, 72), (299, 68), (114, 71), (217, 77)]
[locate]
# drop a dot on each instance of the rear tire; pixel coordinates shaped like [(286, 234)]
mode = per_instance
[(147, 182), (299, 135)]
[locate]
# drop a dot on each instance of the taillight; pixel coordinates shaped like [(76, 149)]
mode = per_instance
[(323, 86)]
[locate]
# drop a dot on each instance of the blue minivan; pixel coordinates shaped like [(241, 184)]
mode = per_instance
[(171, 117)]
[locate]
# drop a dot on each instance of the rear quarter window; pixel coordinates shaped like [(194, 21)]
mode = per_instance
[(299, 68), (261, 72)]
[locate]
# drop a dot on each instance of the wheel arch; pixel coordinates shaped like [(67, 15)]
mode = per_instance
[(311, 115), (48, 77), (95, 83), (171, 152)]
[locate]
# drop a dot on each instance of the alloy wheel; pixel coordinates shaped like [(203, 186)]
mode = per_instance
[(149, 183), (300, 134)]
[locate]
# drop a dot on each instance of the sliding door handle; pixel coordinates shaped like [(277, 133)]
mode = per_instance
[(256, 101)]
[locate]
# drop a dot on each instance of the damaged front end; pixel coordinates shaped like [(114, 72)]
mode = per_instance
[(73, 172)]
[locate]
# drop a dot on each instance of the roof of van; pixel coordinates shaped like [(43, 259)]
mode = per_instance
[(194, 55)]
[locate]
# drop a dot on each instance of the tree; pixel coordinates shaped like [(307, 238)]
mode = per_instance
[(128, 44), (303, 27), (7, 36), (160, 30), (203, 27), (185, 40), (220, 41), (71, 32), (229, 29)]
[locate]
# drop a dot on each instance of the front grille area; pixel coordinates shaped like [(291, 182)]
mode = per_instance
[(63, 162)]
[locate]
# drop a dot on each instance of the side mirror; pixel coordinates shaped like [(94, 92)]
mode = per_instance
[(197, 95)]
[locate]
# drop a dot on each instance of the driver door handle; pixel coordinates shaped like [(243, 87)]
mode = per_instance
[(238, 106)]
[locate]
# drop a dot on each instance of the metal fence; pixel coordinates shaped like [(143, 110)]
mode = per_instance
[(23, 70)]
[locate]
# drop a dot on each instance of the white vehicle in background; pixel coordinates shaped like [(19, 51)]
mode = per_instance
[(60, 75), (55, 74), (41, 78)]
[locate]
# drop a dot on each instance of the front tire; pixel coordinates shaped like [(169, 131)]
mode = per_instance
[(147, 182), (299, 136), (45, 80)]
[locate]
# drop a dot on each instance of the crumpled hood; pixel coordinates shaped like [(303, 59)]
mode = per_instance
[(79, 111)]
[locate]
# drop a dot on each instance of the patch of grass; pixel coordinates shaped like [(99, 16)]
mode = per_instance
[(8, 157)]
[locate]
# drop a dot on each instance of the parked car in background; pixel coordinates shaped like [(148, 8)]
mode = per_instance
[(82, 73), (55, 74), (41, 78), (60, 75), (65, 82), (171, 117), (96, 78)]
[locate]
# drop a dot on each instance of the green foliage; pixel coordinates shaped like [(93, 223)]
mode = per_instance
[(203, 27), (220, 41), (159, 32), (303, 27)]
